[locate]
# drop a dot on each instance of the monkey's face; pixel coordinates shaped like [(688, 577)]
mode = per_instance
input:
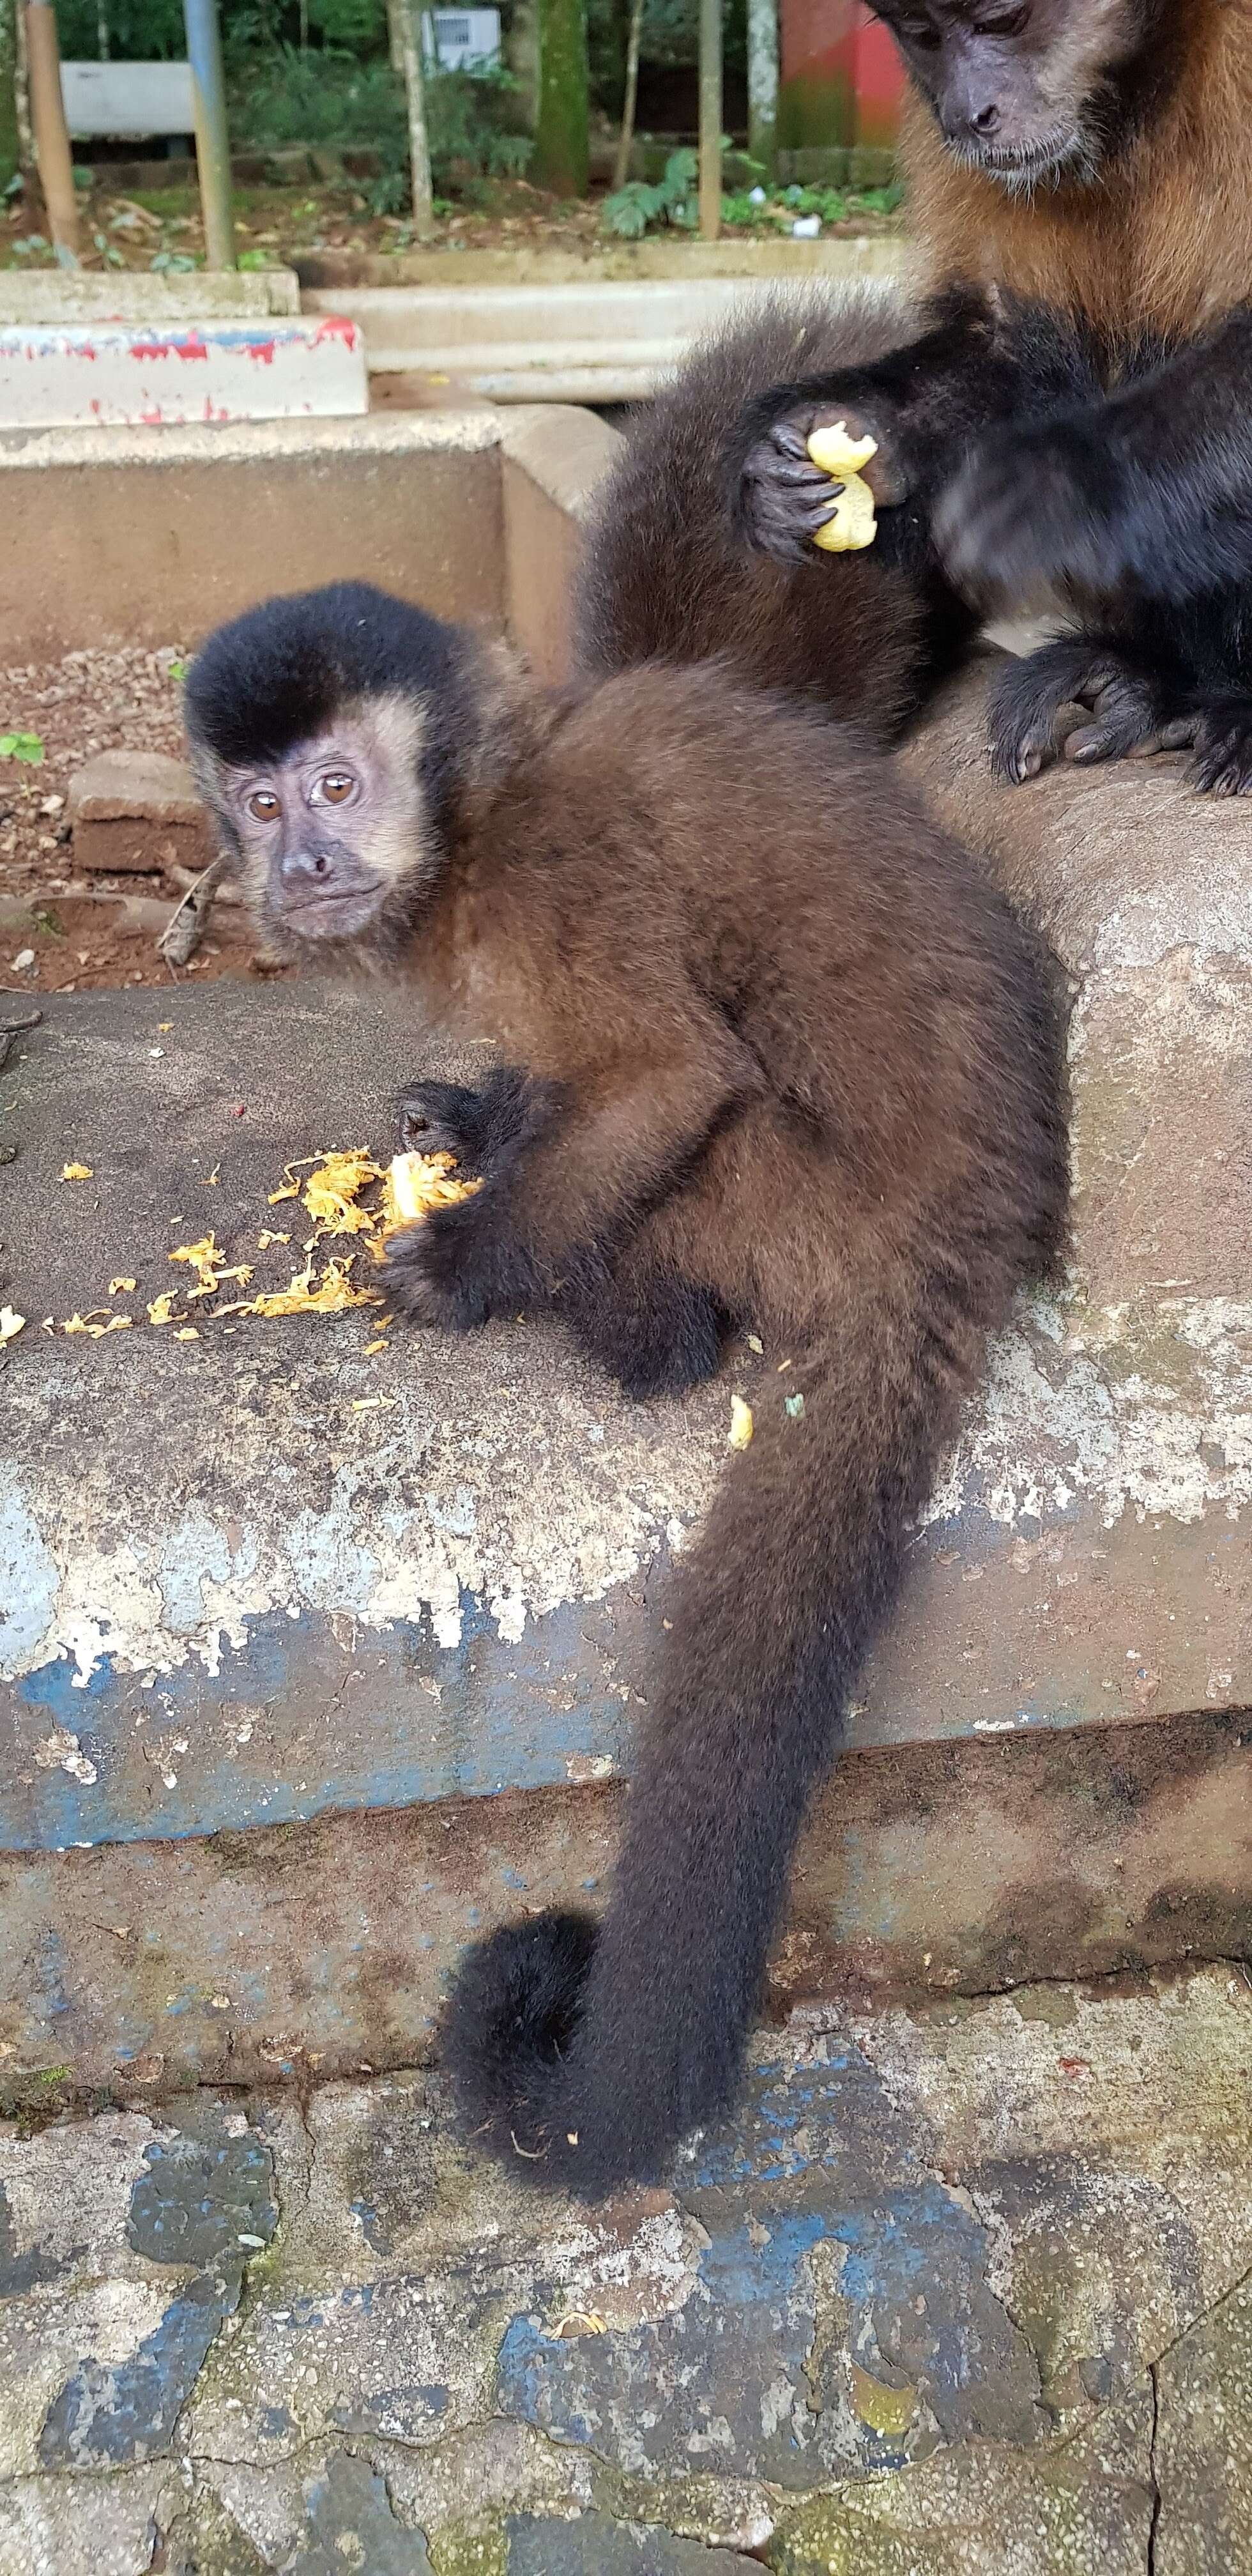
[(1021, 89), (331, 841)]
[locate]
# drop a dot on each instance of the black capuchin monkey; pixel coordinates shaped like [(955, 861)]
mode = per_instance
[(1064, 422), (776, 1054)]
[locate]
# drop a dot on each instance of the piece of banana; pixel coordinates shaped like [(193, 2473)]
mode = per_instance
[(853, 524)]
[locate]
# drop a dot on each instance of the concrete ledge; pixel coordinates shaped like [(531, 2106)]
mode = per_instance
[(837, 255), (135, 295), (553, 458), (142, 536)]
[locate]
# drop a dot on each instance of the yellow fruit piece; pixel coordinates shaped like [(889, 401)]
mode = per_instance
[(11, 1324), (87, 1324), (416, 1183), (332, 1191), (77, 1172), (741, 1424), (161, 1310), (853, 524), (308, 1295), (121, 1287)]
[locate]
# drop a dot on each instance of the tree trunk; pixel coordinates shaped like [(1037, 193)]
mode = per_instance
[(621, 166), (52, 142), (763, 82), (404, 20), (562, 156)]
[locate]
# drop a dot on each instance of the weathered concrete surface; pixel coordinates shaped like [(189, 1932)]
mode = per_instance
[(552, 460), (961, 2292), (135, 295)]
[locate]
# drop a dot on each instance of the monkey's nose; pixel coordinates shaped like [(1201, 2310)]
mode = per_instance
[(984, 120), (303, 867)]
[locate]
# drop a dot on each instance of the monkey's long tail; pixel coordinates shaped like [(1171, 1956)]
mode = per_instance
[(583, 2056)]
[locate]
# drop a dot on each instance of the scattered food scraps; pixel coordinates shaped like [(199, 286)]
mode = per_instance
[(267, 1236), (372, 1403), (161, 1310), (122, 1287), (11, 1325), (331, 1192), (309, 1295), (741, 1424), (208, 1261), (77, 1172), (87, 1323), (756, 1344), (188, 1334)]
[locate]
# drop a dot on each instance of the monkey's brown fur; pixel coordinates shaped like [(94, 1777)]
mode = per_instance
[(783, 1058), (1160, 245)]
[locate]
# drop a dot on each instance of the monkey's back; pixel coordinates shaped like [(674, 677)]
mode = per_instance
[(664, 573)]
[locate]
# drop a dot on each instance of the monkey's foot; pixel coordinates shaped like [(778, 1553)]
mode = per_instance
[(459, 1266), (1219, 728), (1079, 701), (784, 498), (647, 1327)]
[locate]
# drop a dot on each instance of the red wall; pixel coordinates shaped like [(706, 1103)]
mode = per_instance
[(840, 76)]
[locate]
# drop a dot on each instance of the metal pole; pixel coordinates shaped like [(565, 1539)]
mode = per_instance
[(710, 119), (52, 142), (208, 83)]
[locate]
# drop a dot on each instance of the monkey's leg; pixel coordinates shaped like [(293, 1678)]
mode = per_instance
[(574, 1178), (1083, 700)]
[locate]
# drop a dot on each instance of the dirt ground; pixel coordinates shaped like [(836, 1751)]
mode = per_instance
[(81, 935), (274, 225)]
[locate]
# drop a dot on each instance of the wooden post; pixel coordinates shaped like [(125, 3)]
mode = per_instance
[(710, 119), (404, 28), (208, 85), (52, 142), (763, 82), (562, 140)]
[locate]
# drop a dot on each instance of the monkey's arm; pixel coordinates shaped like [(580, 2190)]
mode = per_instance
[(1145, 496), (962, 374), (578, 1173)]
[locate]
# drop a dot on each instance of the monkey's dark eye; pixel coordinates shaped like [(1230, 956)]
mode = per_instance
[(337, 786), (1010, 22), (263, 806)]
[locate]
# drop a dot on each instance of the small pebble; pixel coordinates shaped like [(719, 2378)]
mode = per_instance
[(25, 958), (806, 228)]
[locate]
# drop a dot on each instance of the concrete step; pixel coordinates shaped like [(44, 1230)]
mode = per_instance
[(587, 339)]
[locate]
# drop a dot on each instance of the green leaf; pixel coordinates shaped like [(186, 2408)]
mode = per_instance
[(252, 259), (22, 746), (177, 670)]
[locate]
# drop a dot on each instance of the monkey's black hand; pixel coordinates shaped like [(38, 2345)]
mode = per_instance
[(784, 498), (1035, 514), (460, 1266), (443, 1118)]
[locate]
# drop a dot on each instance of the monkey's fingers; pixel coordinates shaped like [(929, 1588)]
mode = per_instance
[(1124, 725), (1222, 735)]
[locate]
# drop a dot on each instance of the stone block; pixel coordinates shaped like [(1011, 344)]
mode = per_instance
[(136, 813)]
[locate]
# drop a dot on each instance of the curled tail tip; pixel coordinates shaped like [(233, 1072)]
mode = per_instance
[(508, 2035), (508, 2027)]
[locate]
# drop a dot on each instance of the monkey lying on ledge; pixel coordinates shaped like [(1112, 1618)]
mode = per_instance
[(779, 1055)]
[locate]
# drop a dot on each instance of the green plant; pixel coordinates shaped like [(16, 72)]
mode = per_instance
[(22, 746), (630, 210), (282, 96)]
